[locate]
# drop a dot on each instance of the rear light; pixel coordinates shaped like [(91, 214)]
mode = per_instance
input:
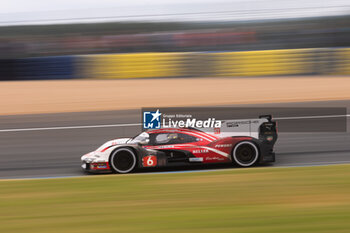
[(269, 138)]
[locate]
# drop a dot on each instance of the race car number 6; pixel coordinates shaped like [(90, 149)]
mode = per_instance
[(150, 161)]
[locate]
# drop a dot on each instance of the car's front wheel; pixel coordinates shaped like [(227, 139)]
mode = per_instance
[(245, 154), (123, 160)]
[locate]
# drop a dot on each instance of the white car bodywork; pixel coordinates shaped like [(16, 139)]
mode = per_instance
[(229, 128), (244, 127), (101, 154)]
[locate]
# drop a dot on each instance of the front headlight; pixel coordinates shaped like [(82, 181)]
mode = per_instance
[(92, 159), (88, 160)]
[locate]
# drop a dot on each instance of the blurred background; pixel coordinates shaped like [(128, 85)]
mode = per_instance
[(46, 126), (86, 39)]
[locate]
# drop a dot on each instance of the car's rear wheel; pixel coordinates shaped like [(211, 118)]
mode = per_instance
[(245, 154), (122, 160)]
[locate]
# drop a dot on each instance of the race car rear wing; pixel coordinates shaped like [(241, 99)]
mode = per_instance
[(268, 130), (268, 117), (260, 128)]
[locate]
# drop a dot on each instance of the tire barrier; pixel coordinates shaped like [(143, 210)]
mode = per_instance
[(43, 68), (329, 61), (133, 65), (7, 69), (342, 64), (318, 61), (263, 63)]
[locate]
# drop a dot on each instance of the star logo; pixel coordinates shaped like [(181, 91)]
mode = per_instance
[(156, 115), (151, 120)]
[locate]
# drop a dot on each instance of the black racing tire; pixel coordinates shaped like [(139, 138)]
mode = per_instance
[(245, 154), (123, 160)]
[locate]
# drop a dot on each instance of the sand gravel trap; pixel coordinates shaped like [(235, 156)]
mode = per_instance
[(27, 97)]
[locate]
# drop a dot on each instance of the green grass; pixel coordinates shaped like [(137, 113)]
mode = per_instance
[(310, 199)]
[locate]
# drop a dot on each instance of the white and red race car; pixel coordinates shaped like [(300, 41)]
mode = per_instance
[(241, 142)]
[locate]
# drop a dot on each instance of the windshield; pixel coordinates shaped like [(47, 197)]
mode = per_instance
[(142, 138)]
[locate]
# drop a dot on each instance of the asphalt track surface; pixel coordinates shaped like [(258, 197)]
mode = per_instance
[(50, 145)]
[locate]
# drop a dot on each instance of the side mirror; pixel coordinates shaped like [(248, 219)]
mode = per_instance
[(144, 142)]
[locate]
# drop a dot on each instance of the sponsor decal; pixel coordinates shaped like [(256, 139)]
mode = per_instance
[(231, 124), (223, 145), (98, 166), (200, 151), (214, 158), (170, 146), (195, 159), (217, 130), (149, 161)]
